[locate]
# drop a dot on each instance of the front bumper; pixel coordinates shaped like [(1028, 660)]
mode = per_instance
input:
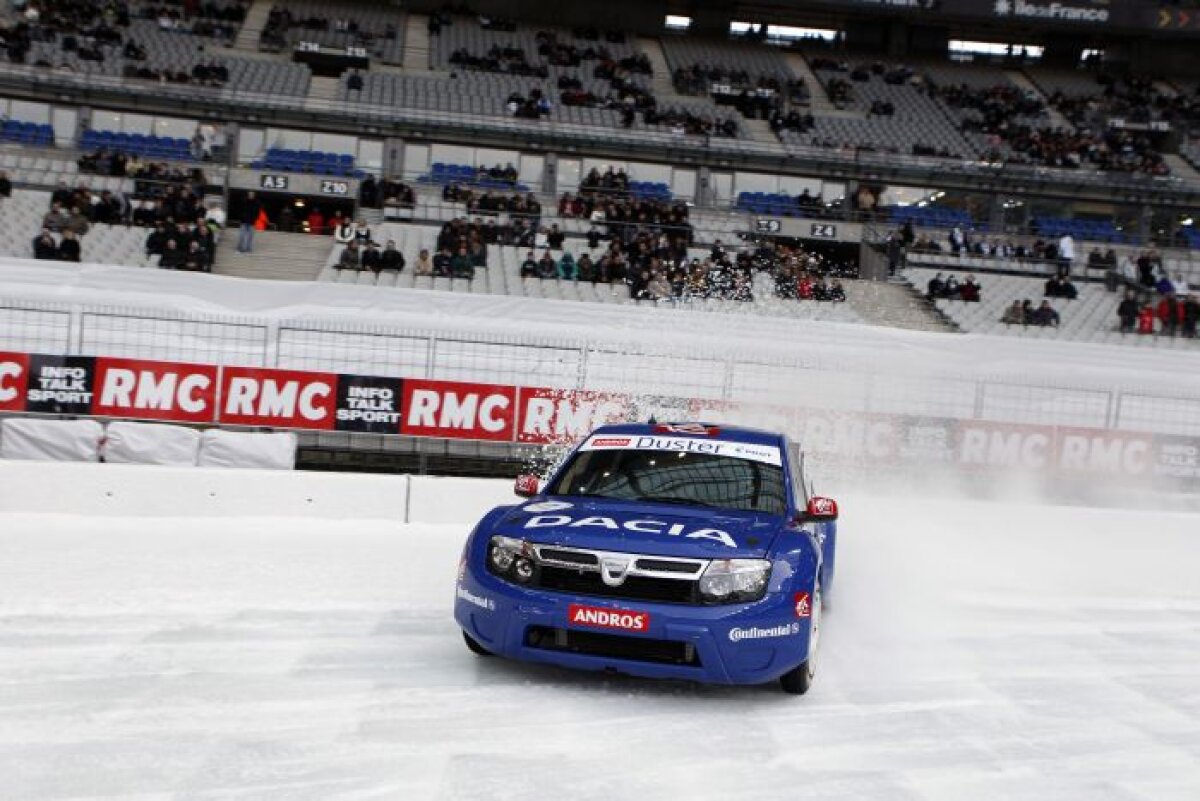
[(733, 644)]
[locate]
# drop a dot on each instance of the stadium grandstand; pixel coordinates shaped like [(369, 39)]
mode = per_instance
[(939, 165)]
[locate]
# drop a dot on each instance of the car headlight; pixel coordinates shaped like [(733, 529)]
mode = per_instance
[(511, 559), (735, 580)]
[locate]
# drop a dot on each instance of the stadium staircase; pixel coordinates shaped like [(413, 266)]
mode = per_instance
[(894, 304), (322, 91), (416, 43), (1182, 168), (760, 131), (818, 101), (252, 26), (279, 256), (661, 85), (1020, 79)]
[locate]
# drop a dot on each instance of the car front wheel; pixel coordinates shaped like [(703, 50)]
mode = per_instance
[(474, 646), (799, 679)]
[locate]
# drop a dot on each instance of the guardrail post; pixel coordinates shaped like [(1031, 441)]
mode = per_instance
[(430, 356)]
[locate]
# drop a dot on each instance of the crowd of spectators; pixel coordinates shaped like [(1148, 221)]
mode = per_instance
[(210, 19), (755, 96), (281, 21), (1023, 312), (373, 194), (949, 288), (184, 232)]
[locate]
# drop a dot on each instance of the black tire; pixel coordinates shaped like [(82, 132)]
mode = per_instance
[(475, 647), (797, 680)]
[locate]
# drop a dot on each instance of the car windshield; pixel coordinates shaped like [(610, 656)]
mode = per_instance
[(699, 479)]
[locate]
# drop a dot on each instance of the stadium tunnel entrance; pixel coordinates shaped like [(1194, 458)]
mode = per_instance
[(294, 213)]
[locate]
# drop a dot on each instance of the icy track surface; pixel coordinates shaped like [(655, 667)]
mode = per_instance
[(975, 652)]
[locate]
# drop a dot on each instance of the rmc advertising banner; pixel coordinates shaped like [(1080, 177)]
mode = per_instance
[(179, 392)]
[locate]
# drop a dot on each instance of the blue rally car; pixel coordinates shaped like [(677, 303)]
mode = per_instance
[(682, 550)]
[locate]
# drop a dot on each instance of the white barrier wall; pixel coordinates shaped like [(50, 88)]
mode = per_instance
[(156, 491)]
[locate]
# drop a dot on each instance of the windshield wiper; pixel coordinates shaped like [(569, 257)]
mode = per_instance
[(674, 499)]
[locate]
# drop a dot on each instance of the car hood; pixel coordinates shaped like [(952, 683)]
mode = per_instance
[(642, 527)]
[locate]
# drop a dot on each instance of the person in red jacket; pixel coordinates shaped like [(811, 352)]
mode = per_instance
[(1170, 314), (316, 221), (1145, 321), (804, 287)]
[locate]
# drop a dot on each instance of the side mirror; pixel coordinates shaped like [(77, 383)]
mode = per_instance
[(821, 509), (527, 485)]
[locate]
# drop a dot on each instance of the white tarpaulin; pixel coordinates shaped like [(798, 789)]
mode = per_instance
[(274, 451), (151, 443), (51, 440)]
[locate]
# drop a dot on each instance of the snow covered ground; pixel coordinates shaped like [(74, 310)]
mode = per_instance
[(975, 652)]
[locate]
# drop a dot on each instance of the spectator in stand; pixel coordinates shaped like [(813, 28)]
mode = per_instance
[(195, 260), (1014, 314), (68, 248), (529, 267), (44, 246), (1045, 315), (156, 240), (936, 288), (1066, 253), (1061, 287), (442, 262), (970, 290), (5, 185), (251, 209), (344, 233), (566, 267), (215, 216), (1191, 314), (837, 293), (355, 83), (547, 268), (1170, 314), (1145, 320), (423, 264), (351, 258), (1127, 311), (362, 231), (172, 257), (372, 259), (315, 222), (392, 259), (554, 238), (55, 219), (1180, 286), (461, 265)]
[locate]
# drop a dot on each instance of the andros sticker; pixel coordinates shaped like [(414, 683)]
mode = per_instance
[(803, 605), (610, 442), (758, 633), (600, 618)]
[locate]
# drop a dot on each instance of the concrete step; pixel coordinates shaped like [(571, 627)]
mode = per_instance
[(1181, 168), (893, 304), (278, 256), (819, 102), (661, 84), (416, 42), (323, 88), (760, 131), (1057, 120), (256, 20)]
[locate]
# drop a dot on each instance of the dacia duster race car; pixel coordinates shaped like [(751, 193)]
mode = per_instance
[(685, 551)]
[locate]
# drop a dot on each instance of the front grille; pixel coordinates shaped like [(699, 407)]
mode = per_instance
[(634, 588), (570, 557), (616, 646)]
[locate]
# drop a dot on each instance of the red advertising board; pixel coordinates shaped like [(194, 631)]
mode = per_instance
[(145, 390), (14, 376), (550, 416), (284, 398), (457, 410)]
